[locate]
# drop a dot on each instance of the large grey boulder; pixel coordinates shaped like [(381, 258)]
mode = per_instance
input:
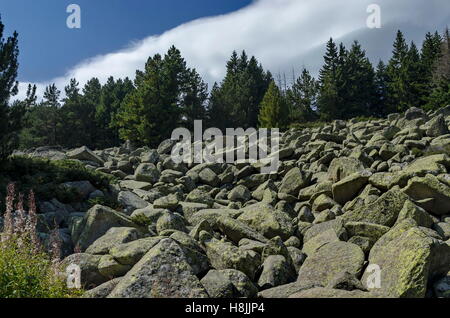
[(267, 220), (328, 261), (130, 253), (164, 272), (113, 237), (383, 211), (131, 201), (236, 230), (85, 154), (430, 187), (103, 290), (276, 271), (147, 172), (408, 261), (88, 265), (294, 181), (223, 255), (97, 221), (84, 188), (343, 167), (347, 188)]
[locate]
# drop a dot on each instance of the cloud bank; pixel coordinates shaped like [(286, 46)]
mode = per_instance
[(284, 35)]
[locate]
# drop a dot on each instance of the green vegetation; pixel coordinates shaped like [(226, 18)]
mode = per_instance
[(26, 273), (27, 270), (45, 176), (167, 94), (274, 111)]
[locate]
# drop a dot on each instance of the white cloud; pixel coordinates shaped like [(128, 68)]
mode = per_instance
[(282, 34)]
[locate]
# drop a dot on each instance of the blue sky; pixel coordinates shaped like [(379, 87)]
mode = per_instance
[(118, 36), (48, 48)]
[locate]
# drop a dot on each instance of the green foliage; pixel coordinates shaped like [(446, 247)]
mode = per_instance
[(236, 101), (10, 117), (45, 176), (347, 83), (310, 125), (141, 220), (28, 272), (380, 107), (274, 110), (440, 84), (105, 201), (302, 98), (167, 94)]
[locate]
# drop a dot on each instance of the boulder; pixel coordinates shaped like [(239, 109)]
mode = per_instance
[(88, 264), (430, 187), (276, 270), (236, 230), (113, 237), (110, 268), (223, 255), (267, 220), (130, 253), (347, 188), (97, 221), (320, 292), (228, 283), (328, 261), (131, 201), (85, 154), (408, 261), (293, 181), (103, 290), (383, 211), (164, 272), (84, 188), (343, 167)]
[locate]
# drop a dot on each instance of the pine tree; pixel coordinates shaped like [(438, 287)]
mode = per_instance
[(414, 80), (331, 61), (9, 117), (302, 98), (90, 100), (330, 76), (149, 114), (358, 88), (397, 74), (431, 50), (112, 95), (51, 105), (70, 115), (239, 95), (44, 121), (274, 112), (380, 106), (215, 112), (440, 95), (195, 94)]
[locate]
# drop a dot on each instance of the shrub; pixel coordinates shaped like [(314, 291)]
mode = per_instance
[(26, 269), (311, 124), (45, 176)]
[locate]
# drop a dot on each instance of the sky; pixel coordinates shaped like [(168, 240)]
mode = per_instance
[(117, 36)]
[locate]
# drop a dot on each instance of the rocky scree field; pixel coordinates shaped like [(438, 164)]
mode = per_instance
[(347, 196)]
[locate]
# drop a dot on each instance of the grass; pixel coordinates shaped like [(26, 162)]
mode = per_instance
[(27, 270)]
